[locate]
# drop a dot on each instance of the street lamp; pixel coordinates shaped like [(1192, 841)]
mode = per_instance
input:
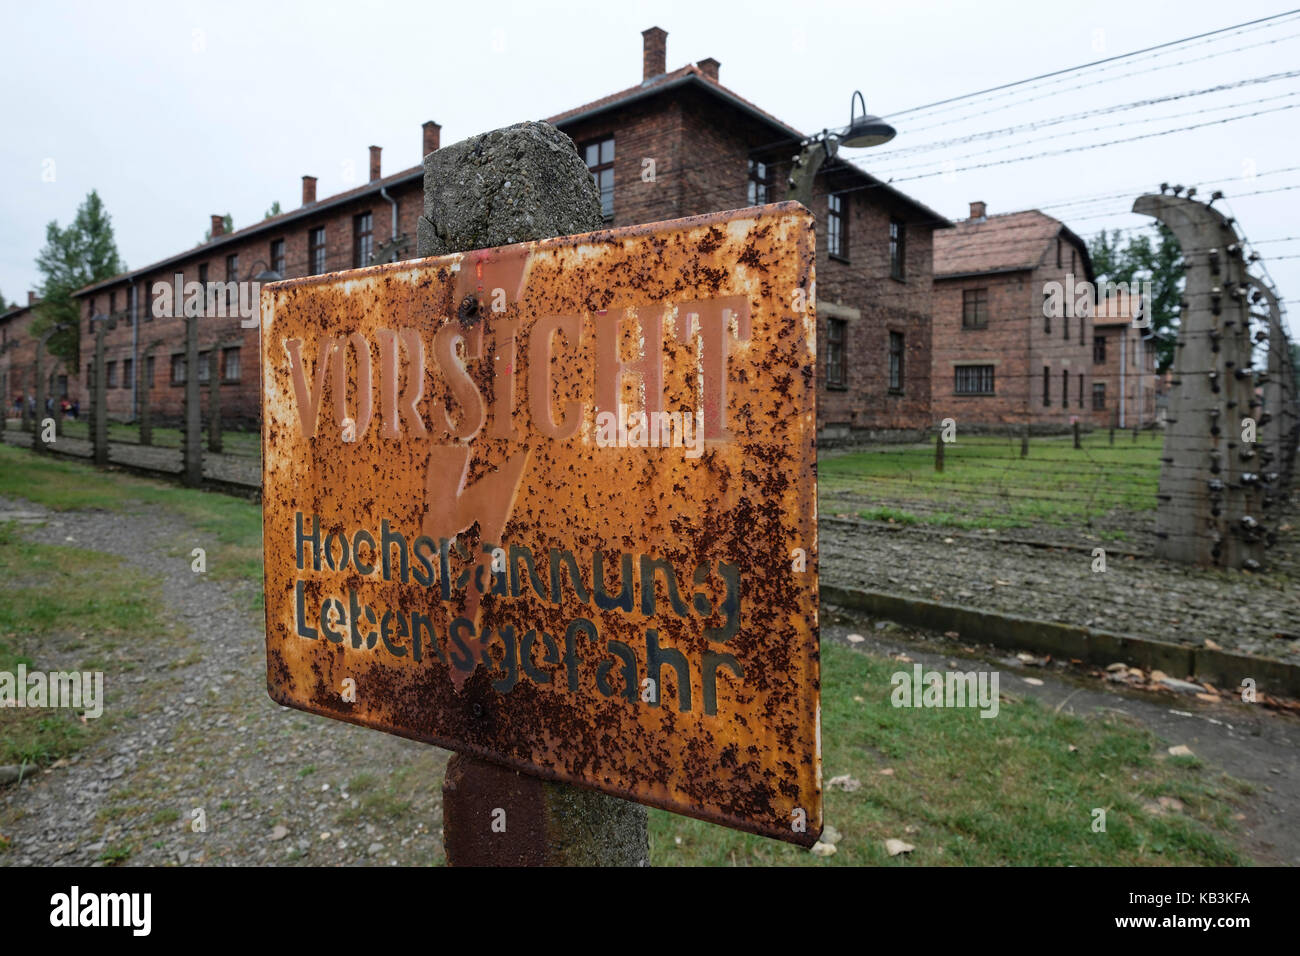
[(864, 131)]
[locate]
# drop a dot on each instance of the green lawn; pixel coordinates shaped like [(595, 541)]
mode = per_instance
[(52, 592), (986, 484), (974, 791)]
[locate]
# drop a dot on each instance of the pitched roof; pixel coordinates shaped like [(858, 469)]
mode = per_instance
[(686, 75), (1008, 242)]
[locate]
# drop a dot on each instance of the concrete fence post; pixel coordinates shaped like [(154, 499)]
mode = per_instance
[(214, 399), (1211, 487), (191, 422), (517, 184), (99, 397)]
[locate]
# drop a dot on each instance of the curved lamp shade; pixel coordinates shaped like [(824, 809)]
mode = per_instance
[(865, 130)]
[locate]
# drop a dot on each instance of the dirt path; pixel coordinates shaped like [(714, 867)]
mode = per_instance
[(195, 730)]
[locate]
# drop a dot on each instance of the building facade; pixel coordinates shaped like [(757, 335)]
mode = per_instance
[(677, 144), (1012, 321), (1125, 383), (18, 360)]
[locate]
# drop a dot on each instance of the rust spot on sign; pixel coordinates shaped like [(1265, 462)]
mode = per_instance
[(573, 532)]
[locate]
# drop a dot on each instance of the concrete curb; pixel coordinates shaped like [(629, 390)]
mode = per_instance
[(1223, 669)]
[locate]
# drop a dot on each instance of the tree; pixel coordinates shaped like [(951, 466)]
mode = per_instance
[(228, 226), (273, 211), (74, 257), (3, 306), (1160, 263)]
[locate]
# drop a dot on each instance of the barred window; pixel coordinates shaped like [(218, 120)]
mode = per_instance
[(599, 157), (974, 380), (836, 367), (895, 361)]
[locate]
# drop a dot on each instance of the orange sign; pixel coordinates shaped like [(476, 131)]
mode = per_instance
[(554, 505)]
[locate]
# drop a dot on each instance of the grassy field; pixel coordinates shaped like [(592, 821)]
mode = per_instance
[(87, 600), (967, 790), (1016, 789), (986, 484)]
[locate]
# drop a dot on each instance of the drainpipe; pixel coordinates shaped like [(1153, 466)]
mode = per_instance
[(392, 235)]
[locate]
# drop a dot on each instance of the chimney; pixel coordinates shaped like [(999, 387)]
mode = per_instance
[(976, 211), (31, 297), (654, 53), (218, 225), (374, 162), (308, 190), (709, 67), (432, 137)]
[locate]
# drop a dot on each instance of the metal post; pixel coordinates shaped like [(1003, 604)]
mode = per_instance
[(37, 431), (1076, 435), (547, 824), (1024, 442), (938, 453), (143, 389)]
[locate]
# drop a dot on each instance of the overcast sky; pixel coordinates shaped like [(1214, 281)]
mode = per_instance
[(177, 110)]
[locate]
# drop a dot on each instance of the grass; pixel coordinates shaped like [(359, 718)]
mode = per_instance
[(986, 484), (233, 524), (54, 590), (973, 791)]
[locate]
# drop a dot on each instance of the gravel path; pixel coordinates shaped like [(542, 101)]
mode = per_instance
[(1139, 595), (195, 730)]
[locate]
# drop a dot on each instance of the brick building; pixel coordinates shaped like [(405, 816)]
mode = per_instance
[(1124, 378), (18, 359), (676, 144), (1001, 357)]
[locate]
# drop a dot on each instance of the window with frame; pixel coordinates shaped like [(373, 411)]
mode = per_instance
[(973, 380), (316, 250), (110, 375), (148, 372), (178, 368), (897, 249), (1065, 388), (128, 371), (757, 194), (203, 277), (277, 258), (837, 221), (1081, 390), (896, 362), (975, 309), (363, 239), (836, 357), (1047, 386), (230, 357), (599, 157), (112, 302), (1098, 396), (1099, 350), (204, 369), (1047, 313)]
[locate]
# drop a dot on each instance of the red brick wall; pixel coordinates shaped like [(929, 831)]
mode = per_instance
[(17, 361), (240, 400), (1139, 378), (1017, 343)]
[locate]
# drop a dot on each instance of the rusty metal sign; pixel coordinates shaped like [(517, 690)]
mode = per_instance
[(554, 505)]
